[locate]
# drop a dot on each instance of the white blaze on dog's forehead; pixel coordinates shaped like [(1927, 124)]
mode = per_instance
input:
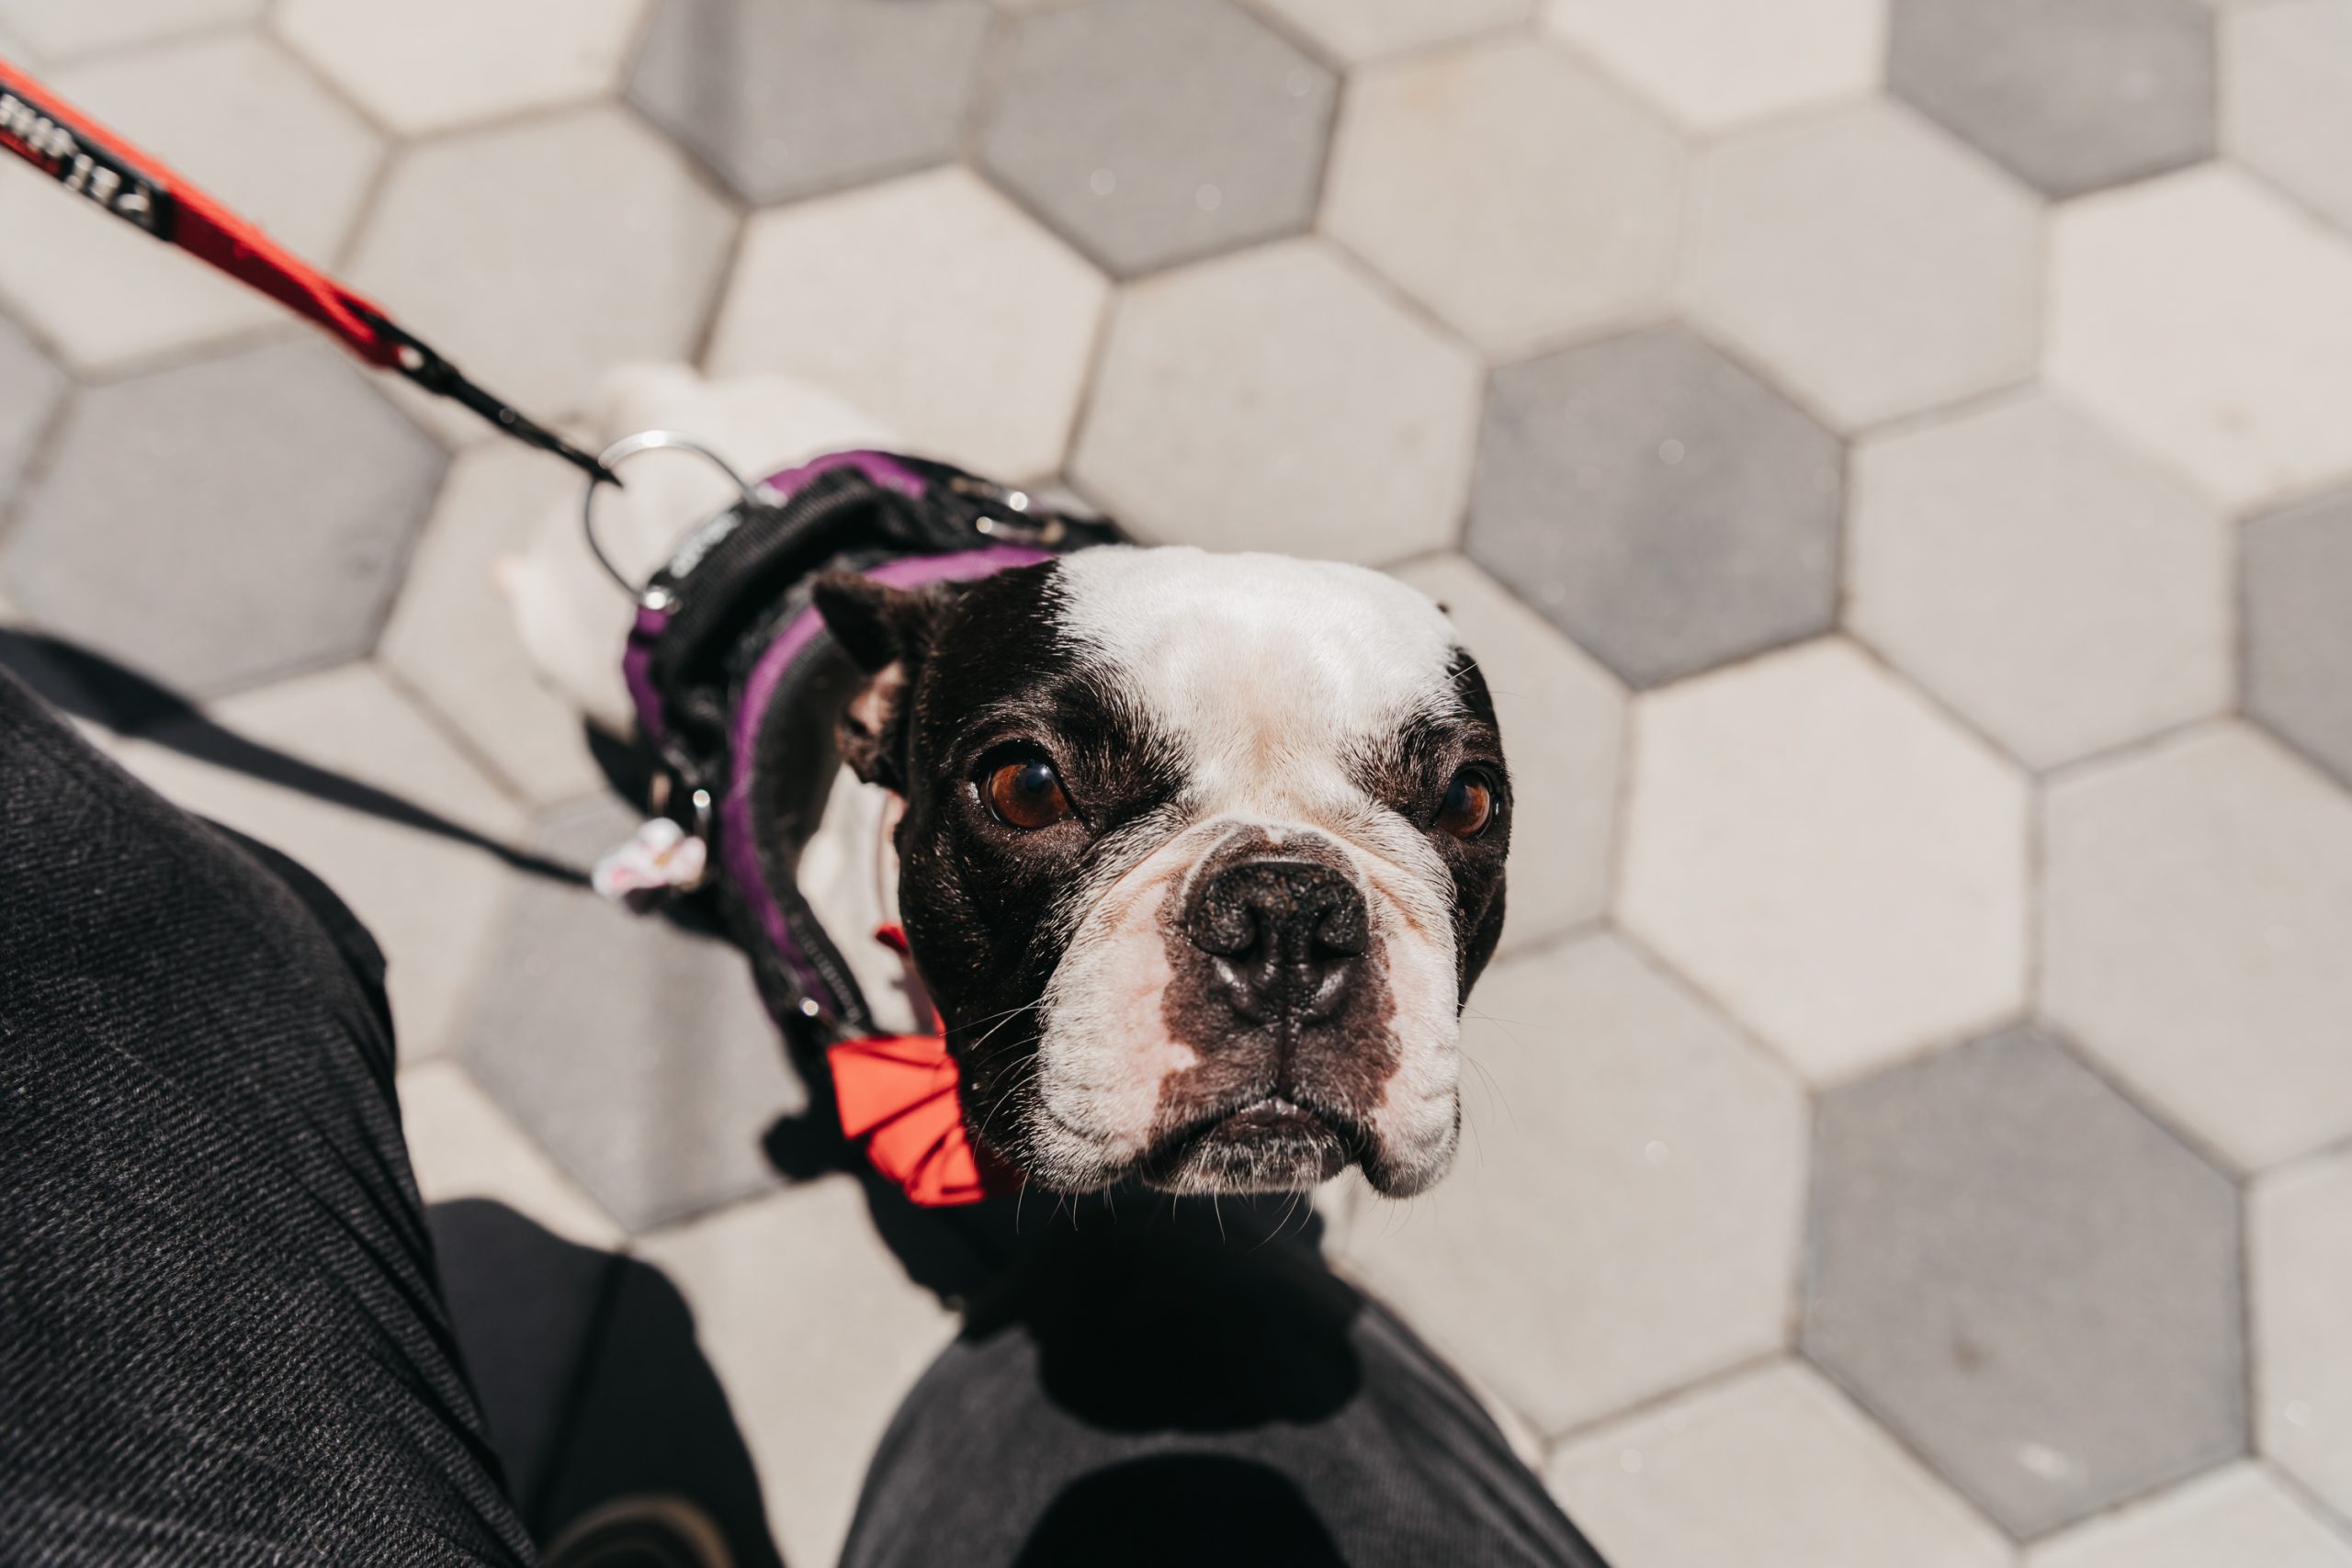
[(1246, 653)]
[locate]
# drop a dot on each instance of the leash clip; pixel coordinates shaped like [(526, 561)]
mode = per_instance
[(653, 596)]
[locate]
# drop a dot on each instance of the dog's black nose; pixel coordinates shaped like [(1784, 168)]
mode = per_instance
[(1286, 935)]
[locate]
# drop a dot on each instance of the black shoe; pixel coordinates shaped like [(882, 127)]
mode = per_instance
[(642, 1533)]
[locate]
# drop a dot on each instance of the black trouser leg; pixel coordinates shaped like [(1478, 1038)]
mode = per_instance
[(1144, 1393), (221, 1340)]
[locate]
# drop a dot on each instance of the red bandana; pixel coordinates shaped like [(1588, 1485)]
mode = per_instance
[(898, 1096)]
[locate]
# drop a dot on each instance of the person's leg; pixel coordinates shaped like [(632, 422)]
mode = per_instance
[(1145, 1394), (221, 1339)]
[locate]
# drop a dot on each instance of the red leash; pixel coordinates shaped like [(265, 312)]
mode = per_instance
[(101, 167)]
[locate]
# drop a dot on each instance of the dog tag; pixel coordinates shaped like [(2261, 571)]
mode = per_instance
[(660, 857)]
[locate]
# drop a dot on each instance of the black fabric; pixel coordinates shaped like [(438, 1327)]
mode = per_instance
[(1172, 1385), (221, 1340)]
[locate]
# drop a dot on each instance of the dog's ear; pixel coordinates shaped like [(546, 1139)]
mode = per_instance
[(888, 632)]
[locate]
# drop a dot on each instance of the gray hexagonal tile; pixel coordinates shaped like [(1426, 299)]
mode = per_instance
[(783, 97), (1151, 131), (219, 524), (2299, 1249), (2071, 94), (2030, 1280), (29, 388), (1277, 400), (237, 114), (1357, 30), (2298, 626), (541, 253), (1661, 505), (636, 1052)]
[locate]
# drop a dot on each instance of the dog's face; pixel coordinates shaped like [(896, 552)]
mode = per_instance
[(1200, 854)]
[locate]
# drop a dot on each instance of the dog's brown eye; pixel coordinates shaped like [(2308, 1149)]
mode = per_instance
[(1469, 805), (1026, 794)]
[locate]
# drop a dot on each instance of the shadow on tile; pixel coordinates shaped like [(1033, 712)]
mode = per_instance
[(88, 686), (590, 1378)]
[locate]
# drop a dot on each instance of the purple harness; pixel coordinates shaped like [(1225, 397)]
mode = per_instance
[(738, 684)]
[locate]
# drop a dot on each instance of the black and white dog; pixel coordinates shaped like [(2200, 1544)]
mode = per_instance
[(1197, 856)]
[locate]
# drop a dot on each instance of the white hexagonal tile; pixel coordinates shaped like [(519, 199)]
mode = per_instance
[(1519, 195), (1563, 719), (1277, 400), (452, 635), (525, 208), (1874, 265), (1833, 859), (1771, 1470), (815, 1333), (2235, 1515), (2042, 578), (2197, 912), (62, 28), (933, 303), (462, 1145), (2211, 321), (1625, 1211), (1357, 30), (426, 66), (2287, 98), (236, 114), (430, 900), (2299, 1250), (1712, 64)]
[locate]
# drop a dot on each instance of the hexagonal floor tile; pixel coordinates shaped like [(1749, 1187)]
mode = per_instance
[(521, 206), (783, 97), (1563, 719), (2071, 95), (1357, 30), (2209, 320), (2299, 628), (226, 521), (2198, 907), (931, 302), (1624, 1214), (30, 389), (1836, 862), (452, 634), (1770, 1469), (1712, 64), (1876, 267), (2287, 98), (237, 114), (767, 1282), (2300, 1227), (2237, 1514), (1154, 132), (426, 66), (462, 1145), (1658, 503), (636, 1053), (1517, 193), (2042, 578), (1277, 401), (84, 27), (431, 898), (2033, 1282)]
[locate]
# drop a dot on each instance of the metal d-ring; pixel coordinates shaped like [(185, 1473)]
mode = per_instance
[(630, 446)]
